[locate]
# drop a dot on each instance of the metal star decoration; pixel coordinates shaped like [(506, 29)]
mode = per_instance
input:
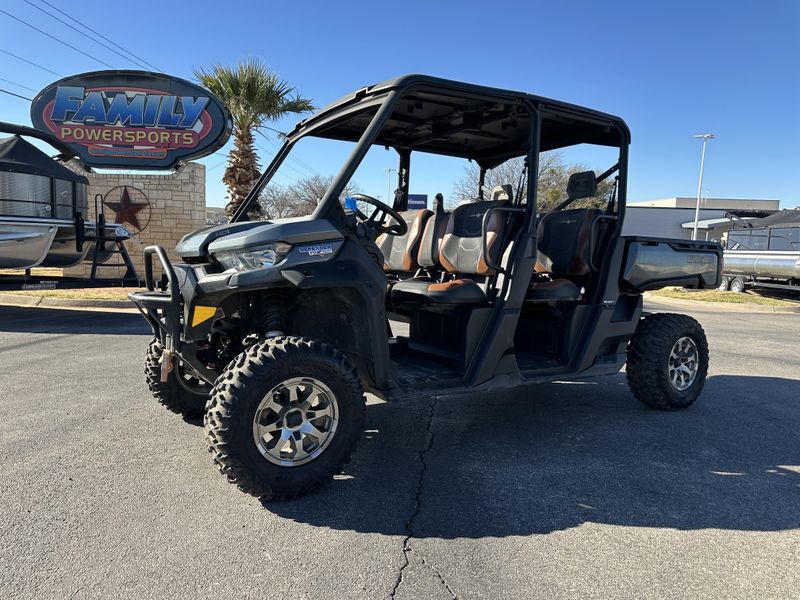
[(126, 209)]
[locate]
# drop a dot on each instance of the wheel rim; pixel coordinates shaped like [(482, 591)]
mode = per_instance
[(295, 422), (188, 380), (684, 361)]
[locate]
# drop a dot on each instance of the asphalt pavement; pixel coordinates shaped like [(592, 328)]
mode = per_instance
[(565, 490)]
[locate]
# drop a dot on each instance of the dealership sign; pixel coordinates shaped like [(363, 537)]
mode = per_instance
[(132, 119)]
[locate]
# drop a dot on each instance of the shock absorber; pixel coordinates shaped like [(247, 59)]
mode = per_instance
[(265, 319), (271, 313)]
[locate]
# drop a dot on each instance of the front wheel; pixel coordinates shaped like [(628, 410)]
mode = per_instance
[(284, 417), (667, 361), (182, 392)]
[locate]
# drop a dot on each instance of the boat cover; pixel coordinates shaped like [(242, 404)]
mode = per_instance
[(20, 156), (783, 218)]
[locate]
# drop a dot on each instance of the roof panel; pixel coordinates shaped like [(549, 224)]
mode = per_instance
[(461, 119)]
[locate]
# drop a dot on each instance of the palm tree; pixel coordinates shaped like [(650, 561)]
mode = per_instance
[(254, 95)]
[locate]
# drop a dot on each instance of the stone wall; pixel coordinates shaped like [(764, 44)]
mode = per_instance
[(166, 207)]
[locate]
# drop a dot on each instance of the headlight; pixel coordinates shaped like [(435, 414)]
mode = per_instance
[(256, 257)]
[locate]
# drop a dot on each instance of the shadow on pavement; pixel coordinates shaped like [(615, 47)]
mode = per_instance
[(556, 456), (27, 319)]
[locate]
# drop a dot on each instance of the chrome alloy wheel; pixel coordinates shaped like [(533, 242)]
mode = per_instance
[(295, 421), (684, 361)]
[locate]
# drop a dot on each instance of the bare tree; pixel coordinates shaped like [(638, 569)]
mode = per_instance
[(298, 199), (276, 201), (554, 173)]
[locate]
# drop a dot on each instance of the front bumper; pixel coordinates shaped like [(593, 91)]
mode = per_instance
[(168, 313), (161, 308)]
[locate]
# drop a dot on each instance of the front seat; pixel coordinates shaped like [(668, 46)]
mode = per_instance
[(400, 251), (460, 254)]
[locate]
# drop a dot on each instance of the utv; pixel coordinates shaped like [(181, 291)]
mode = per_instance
[(274, 329)]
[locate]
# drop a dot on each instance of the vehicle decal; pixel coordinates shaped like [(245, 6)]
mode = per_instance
[(316, 249)]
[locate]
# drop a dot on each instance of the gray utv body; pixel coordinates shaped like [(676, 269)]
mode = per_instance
[(491, 295)]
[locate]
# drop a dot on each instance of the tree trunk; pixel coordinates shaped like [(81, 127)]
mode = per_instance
[(242, 172)]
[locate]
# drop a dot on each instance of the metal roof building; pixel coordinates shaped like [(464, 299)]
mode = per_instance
[(674, 217)]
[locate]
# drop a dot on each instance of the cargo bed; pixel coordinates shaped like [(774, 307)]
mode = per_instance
[(653, 263)]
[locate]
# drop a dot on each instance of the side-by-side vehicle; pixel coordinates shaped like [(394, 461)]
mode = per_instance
[(275, 329)]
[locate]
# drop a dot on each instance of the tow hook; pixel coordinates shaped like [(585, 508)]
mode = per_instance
[(166, 365)]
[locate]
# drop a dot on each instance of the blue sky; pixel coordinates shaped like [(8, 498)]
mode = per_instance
[(670, 69)]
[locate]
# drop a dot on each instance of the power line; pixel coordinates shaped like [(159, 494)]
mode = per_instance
[(294, 159), (30, 62), (84, 34), (60, 41), (24, 87), (17, 95), (71, 18), (304, 175)]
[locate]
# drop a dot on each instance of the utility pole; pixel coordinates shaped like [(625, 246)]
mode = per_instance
[(389, 171), (705, 137)]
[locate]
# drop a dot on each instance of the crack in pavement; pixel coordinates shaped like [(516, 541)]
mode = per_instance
[(409, 525)]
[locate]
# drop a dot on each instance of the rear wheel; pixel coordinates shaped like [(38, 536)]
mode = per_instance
[(723, 284), (667, 361), (736, 285), (284, 417), (182, 392)]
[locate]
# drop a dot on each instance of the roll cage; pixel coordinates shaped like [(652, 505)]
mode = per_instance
[(439, 116)]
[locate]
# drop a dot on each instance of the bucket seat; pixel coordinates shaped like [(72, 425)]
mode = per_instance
[(461, 254), (564, 244), (400, 252)]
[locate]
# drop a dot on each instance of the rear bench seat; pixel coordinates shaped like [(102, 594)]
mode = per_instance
[(564, 247)]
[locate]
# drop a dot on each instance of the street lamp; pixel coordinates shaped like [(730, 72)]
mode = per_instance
[(389, 171), (705, 137)]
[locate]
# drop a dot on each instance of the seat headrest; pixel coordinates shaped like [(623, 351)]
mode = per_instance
[(503, 192), (438, 204), (582, 185)]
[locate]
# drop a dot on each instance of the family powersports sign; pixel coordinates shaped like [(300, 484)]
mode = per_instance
[(132, 119)]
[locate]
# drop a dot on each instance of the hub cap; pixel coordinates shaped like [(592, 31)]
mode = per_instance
[(295, 421), (683, 363)]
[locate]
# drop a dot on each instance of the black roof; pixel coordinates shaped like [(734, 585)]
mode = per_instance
[(783, 218), (20, 156), (489, 125)]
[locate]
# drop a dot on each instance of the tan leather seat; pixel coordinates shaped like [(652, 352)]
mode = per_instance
[(461, 254), (563, 241), (400, 252)]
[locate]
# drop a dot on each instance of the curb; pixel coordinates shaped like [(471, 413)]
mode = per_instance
[(48, 302), (727, 306)]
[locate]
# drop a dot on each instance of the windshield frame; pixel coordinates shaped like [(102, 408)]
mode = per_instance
[(385, 104)]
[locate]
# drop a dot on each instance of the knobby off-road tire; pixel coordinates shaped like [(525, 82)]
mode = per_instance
[(252, 385), (186, 398), (661, 344)]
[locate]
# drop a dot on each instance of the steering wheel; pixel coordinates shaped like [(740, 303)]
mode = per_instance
[(377, 220)]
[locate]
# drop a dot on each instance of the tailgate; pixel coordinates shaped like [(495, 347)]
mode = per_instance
[(652, 263)]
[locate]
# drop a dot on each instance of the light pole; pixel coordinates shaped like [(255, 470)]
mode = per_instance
[(389, 171), (705, 137)]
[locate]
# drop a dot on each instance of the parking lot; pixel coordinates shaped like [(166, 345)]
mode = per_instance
[(560, 490)]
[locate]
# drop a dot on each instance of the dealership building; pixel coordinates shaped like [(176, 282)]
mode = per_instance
[(674, 217)]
